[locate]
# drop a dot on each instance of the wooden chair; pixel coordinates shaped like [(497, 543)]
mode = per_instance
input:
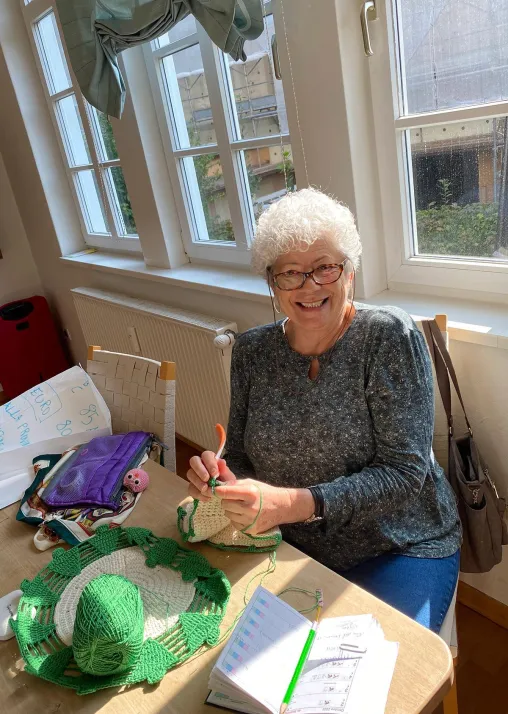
[(448, 631), (140, 394)]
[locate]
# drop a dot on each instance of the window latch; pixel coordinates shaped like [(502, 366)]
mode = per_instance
[(367, 13)]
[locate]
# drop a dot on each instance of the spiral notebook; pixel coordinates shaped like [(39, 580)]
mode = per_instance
[(349, 669)]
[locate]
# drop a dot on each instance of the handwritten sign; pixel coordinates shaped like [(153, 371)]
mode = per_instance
[(66, 405), (44, 401)]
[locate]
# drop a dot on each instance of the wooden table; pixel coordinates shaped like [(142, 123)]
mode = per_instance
[(422, 677)]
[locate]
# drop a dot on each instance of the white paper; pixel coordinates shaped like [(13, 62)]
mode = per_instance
[(345, 637), (351, 686), (49, 418)]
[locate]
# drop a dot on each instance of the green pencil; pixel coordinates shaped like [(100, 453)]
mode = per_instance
[(303, 657)]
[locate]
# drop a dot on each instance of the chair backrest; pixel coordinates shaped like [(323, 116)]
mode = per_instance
[(440, 441), (140, 394)]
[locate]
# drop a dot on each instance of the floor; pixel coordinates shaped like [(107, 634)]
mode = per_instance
[(482, 671)]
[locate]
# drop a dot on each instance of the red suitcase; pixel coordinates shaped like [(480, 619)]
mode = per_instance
[(30, 350)]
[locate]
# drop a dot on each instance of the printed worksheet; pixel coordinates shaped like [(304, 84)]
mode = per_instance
[(348, 686)]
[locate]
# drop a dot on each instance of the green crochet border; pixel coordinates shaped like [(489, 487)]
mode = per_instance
[(46, 656), (181, 513)]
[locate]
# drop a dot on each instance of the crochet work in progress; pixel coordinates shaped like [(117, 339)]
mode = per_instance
[(199, 521), (120, 608)]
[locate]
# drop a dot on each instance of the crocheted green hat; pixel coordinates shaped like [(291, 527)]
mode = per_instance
[(199, 521), (119, 608)]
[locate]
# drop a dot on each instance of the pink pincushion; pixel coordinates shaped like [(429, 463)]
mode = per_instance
[(136, 480)]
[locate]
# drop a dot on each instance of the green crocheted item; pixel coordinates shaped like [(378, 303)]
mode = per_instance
[(198, 521), (109, 648)]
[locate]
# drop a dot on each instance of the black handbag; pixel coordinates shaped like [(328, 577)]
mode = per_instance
[(480, 507)]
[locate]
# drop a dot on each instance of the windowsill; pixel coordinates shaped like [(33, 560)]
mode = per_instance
[(212, 279), (468, 321)]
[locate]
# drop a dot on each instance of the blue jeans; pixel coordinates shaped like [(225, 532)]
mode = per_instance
[(421, 588)]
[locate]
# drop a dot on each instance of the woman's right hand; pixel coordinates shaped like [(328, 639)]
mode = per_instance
[(202, 469)]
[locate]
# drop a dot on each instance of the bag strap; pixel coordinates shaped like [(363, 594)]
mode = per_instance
[(441, 345), (443, 381), (444, 370)]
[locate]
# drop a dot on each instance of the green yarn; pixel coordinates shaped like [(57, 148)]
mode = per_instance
[(260, 508), (109, 626)]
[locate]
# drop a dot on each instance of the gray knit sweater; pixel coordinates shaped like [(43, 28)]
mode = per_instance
[(362, 431)]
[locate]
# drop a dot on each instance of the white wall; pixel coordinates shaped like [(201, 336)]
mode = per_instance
[(18, 273)]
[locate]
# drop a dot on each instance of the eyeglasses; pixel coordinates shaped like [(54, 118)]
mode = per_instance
[(323, 275)]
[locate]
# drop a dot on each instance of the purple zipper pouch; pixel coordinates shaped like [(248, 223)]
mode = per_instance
[(93, 475)]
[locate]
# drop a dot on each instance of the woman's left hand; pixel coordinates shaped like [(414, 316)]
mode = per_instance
[(244, 499)]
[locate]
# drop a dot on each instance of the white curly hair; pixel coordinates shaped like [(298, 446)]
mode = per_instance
[(298, 220)]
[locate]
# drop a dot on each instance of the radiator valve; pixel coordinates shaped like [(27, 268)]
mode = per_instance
[(227, 339)]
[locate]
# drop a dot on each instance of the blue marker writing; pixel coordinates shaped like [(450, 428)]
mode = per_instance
[(13, 412), (24, 440)]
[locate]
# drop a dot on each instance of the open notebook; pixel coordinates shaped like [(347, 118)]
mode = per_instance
[(348, 671)]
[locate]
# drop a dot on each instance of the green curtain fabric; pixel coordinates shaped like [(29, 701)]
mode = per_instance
[(96, 31)]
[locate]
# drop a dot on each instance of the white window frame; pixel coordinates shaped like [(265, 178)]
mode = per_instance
[(460, 275), (216, 71), (33, 12)]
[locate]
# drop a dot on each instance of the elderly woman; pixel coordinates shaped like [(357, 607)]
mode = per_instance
[(331, 422)]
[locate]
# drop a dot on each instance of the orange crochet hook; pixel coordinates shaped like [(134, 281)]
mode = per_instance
[(221, 433)]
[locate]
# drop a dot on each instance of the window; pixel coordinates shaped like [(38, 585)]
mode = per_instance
[(87, 142), (226, 136), (443, 154)]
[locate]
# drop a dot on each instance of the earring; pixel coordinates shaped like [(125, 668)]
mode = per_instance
[(276, 305)]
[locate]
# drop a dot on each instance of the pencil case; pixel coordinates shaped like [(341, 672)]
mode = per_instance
[(94, 474)]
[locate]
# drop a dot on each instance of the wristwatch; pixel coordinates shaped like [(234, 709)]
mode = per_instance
[(319, 505)]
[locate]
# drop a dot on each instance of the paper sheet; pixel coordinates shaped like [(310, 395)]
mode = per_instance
[(345, 637), (347, 686)]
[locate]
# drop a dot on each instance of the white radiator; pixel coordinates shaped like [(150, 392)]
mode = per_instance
[(123, 324)]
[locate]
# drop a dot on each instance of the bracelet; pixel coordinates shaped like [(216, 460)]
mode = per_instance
[(319, 501)]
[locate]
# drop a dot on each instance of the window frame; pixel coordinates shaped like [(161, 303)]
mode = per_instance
[(407, 271), (34, 11), (227, 147)]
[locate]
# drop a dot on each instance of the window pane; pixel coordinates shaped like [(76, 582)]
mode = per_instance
[(259, 97), (90, 201), (271, 175), (51, 54), (187, 95), (454, 53), (460, 195), (207, 198), (182, 29), (121, 202), (103, 134), (71, 128)]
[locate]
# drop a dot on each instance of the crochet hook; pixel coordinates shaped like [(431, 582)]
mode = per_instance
[(221, 433)]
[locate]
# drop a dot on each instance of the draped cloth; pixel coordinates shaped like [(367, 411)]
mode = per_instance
[(96, 31)]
